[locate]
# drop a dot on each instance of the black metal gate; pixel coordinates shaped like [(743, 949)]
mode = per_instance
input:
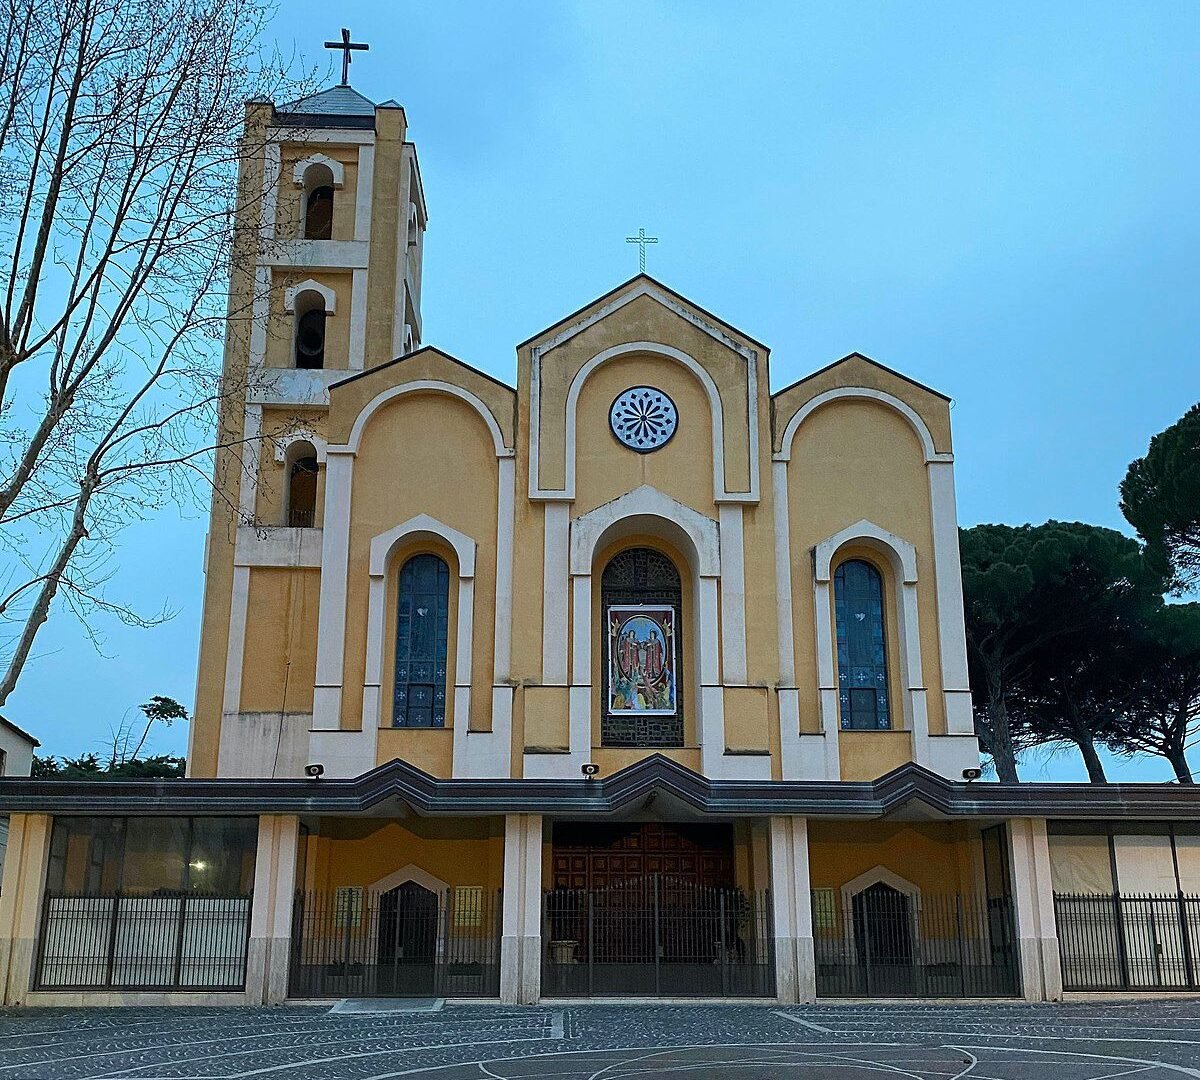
[(408, 942), (1114, 942), (657, 936), (882, 942)]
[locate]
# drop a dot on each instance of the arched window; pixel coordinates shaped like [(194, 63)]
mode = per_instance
[(310, 330), (422, 614), (318, 203), (861, 646), (302, 488), (641, 604)]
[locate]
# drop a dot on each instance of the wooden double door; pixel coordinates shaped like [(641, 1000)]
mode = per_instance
[(587, 855)]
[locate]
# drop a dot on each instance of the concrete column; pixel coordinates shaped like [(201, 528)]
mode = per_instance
[(1033, 898), (21, 902), (791, 901), (521, 930), (268, 954)]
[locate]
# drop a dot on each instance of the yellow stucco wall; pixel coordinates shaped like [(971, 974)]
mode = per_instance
[(937, 857), (280, 659)]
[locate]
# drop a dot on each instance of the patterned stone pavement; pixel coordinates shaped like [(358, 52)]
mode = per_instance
[(1152, 1040)]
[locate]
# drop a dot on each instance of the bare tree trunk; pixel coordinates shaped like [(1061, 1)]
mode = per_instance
[(1095, 767), (1001, 741)]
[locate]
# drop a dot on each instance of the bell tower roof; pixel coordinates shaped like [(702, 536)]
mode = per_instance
[(340, 104)]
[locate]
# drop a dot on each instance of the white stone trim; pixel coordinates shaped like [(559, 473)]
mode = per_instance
[(331, 616), (235, 652), (947, 568), (866, 393), (783, 576), (898, 551), (733, 595), (357, 353), (875, 876), (301, 435), (292, 386), (647, 509), (505, 528), (272, 167), (381, 550), (336, 169), (428, 385), (521, 911), (557, 536), (405, 874), (363, 193), (422, 525), (1033, 901), (293, 292), (260, 316), (249, 456), (902, 558), (648, 288), (328, 136), (278, 546), (791, 901), (716, 411), (316, 254)]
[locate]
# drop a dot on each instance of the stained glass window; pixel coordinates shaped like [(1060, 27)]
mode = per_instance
[(861, 647), (419, 696)]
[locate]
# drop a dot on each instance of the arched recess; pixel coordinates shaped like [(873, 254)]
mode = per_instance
[(409, 873), (426, 386), (646, 511), (879, 875), (900, 557), (301, 463), (293, 292), (715, 408), (301, 435), (337, 171), (380, 561), (862, 393)]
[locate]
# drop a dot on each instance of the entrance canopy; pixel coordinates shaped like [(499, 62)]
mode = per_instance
[(906, 790)]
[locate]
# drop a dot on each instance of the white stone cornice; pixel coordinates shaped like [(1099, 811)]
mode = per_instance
[(865, 393), (336, 169)]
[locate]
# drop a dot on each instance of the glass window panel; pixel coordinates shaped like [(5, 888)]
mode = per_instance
[(85, 855), (861, 646), (1145, 864), (222, 855), (422, 633), (156, 851), (1080, 864)]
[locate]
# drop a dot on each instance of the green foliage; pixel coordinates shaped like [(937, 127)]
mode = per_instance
[(163, 709), (1035, 592), (1160, 498), (88, 767)]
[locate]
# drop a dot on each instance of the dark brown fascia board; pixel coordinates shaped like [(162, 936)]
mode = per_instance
[(354, 376), (426, 795), (874, 363)]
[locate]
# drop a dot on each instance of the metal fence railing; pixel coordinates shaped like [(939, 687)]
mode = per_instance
[(882, 942), (407, 942), (180, 941), (656, 936), (1128, 942)]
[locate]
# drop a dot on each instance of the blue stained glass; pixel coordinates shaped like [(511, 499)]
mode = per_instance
[(861, 647), (422, 615)]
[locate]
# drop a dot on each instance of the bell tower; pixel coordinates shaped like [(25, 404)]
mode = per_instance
[(326, 283)]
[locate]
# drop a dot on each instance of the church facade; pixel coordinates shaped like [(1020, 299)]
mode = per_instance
[(632, 677)]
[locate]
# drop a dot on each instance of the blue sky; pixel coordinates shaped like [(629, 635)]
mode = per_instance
[(999, 201)]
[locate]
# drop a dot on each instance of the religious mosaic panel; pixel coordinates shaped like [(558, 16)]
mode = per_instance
[(641, 659)]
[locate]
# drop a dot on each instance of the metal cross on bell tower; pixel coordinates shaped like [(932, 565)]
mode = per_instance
[(347, 47), (641, 240)]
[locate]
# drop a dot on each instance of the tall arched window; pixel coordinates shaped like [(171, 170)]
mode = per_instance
[(861, 646), (302, 488), (641, 604), (422, 614)]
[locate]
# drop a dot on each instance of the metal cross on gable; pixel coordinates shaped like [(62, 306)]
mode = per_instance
[(641, 240), (347, 46)]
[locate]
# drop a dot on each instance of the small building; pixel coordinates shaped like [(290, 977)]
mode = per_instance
[(635, 676)]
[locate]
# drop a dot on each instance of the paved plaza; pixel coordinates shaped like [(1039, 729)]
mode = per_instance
[(1153, 1040)]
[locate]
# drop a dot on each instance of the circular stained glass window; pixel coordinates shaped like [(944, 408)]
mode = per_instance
[(643, 418)]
